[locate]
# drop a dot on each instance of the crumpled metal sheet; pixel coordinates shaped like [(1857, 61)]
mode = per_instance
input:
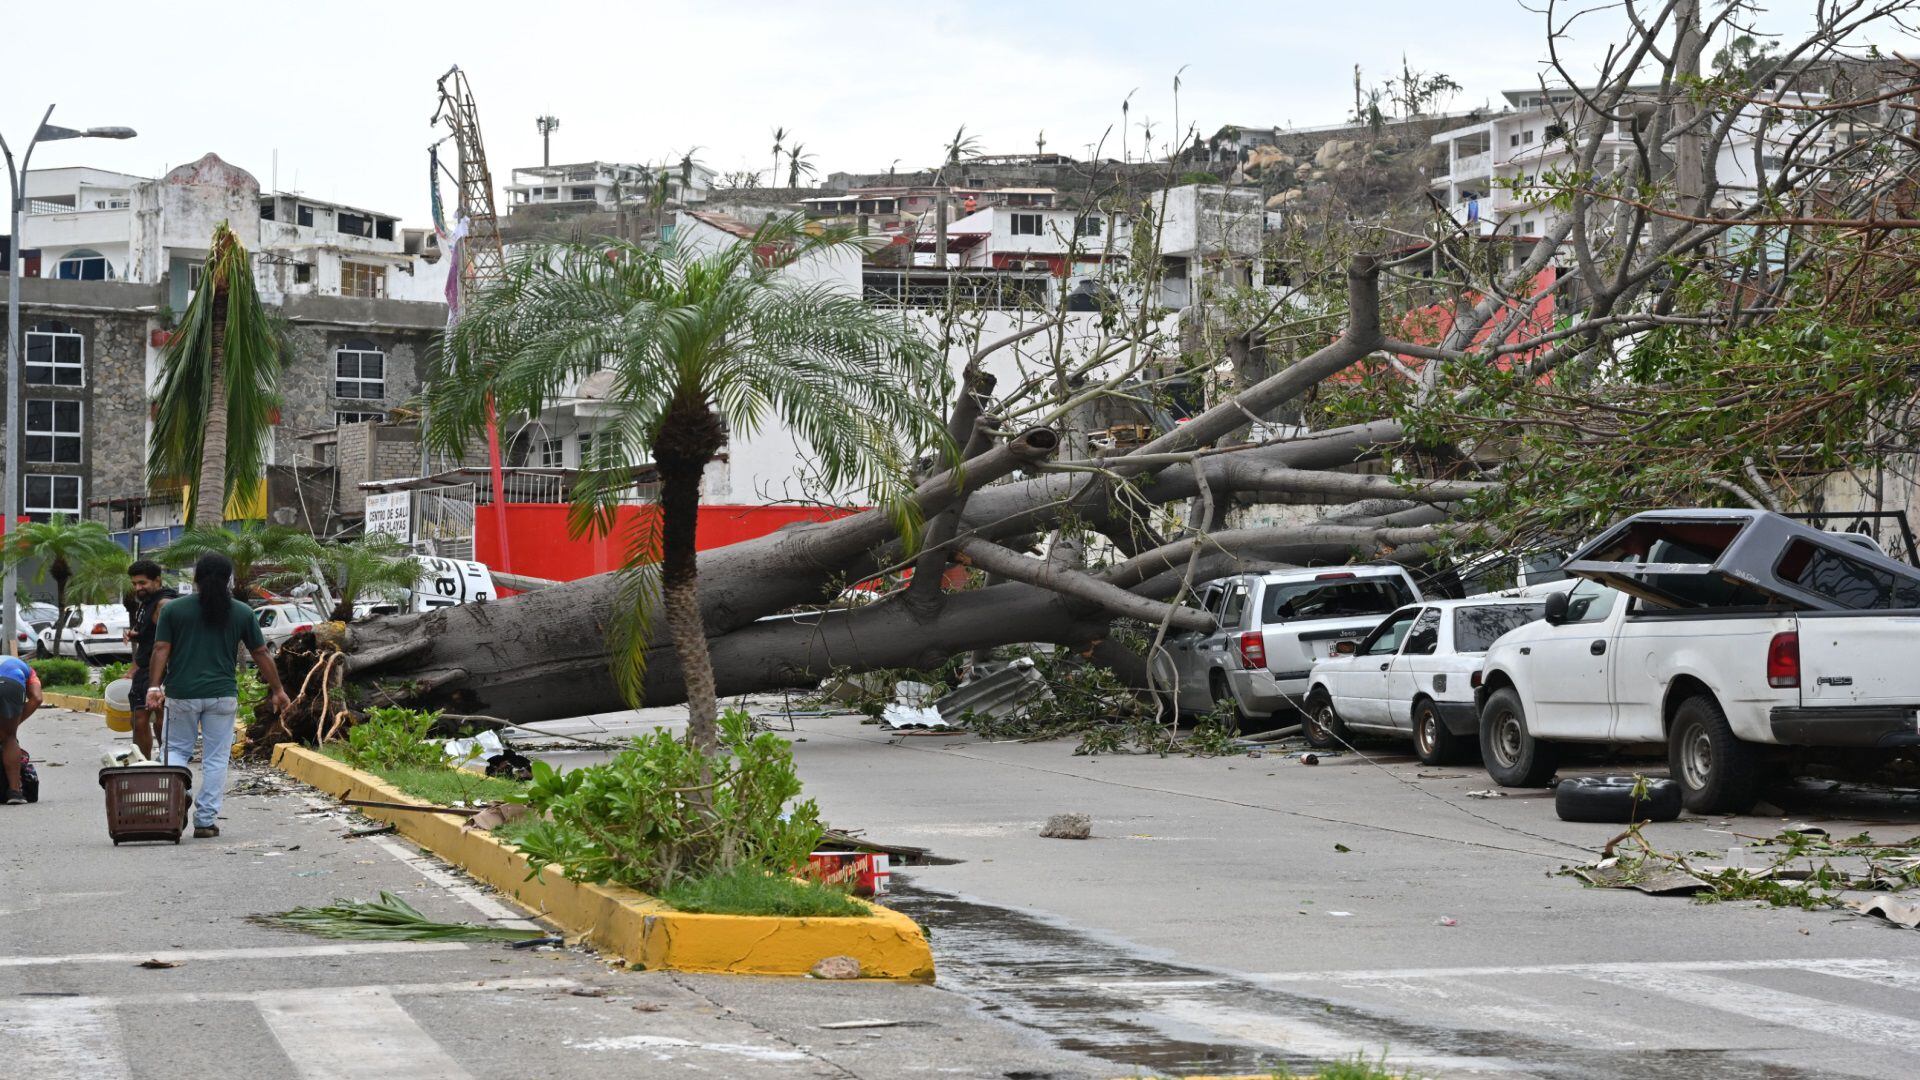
[(1611, 874), (1898, 912)]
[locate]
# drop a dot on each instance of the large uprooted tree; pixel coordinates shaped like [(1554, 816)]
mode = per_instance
[(1714, 305)]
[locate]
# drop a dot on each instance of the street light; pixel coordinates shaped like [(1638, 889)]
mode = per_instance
[(17, 190)]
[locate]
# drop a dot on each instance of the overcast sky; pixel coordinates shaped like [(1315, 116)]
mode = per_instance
[(343, 90)]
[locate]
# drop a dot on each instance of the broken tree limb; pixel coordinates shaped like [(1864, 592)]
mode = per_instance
[(1017, 567), (372, 658), (1173, 556)]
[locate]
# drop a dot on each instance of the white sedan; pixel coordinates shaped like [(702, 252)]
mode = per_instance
[(280, 621), (92, 632), (1414, 675)]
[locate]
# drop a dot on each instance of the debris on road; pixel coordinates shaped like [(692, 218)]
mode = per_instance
[(1486, 793), (1448, 920), (495, 816), (1342, 848), (386, 919), (852, 1025), (1897, 912), (1616, 800), (836, 967), (1309, 759), (1068, 827), (1007, 693), (158, 965)]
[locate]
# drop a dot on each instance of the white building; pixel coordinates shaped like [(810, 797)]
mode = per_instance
[(604, 185), (1057, 241), (93, 225), (1493, 165)]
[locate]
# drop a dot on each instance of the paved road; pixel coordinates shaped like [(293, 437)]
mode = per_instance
[(78, 916), (1212, 921)]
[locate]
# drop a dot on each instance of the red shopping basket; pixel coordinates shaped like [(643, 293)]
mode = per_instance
[(147, 802)]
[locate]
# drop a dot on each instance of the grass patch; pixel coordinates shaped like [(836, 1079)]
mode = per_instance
[(443, 786), (1356, 1067), (747, 891), (75, 689)]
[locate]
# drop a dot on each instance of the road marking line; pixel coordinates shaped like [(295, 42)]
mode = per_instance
[(1883, 972), (1307, 1039), (1624, 968), (364, 1035), (496, 912), (54, 1040), (1771, 1007), (195, 997), (274, 952)]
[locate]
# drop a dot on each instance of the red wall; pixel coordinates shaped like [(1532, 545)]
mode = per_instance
[(539, 545)]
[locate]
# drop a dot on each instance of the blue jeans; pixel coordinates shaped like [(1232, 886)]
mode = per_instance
[(210, 719)]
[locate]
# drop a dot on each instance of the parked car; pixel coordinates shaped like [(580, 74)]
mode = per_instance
[(1721, 634), (28, 620), (281, 620), (1414, 676), (1272, 627), (93, 633)]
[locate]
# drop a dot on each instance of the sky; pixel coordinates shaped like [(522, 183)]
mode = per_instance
[(343, 91)]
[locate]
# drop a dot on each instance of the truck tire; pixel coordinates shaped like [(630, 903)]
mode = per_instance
[(1514, 758), (1321, 723), (1610, 799), (1432, 741), (1717, 773)]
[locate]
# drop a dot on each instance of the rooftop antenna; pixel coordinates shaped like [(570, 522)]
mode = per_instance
[(547, 125)]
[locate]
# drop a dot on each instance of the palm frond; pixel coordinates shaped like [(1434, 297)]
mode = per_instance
[(386, 919)]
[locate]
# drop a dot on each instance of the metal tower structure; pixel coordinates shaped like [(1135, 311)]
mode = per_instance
[(482, 261)]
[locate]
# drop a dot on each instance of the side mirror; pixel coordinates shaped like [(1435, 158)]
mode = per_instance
[(1556, 609), (1345, 648)]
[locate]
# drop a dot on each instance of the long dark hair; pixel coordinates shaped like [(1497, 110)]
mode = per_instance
[(213, 583)]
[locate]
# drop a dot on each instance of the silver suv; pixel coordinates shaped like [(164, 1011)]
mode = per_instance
[(1272, 627)]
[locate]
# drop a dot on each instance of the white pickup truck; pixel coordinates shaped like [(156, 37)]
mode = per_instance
[(1723, 634)]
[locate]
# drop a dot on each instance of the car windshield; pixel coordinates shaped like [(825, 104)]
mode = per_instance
[(1476, 627), (1333, 598)]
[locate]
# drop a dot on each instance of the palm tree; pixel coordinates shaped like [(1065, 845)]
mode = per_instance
[(799, 163), (263, 556), (86, 566), (217, 377), (700, 344), (373, 564), (779, 139)]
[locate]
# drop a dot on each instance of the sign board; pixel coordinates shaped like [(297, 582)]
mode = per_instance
[(391, 513), (446, 582)]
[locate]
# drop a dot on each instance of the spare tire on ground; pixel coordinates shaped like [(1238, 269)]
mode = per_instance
[(1610, 799)]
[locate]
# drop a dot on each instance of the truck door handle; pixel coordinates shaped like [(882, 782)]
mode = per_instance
[(1598, 648), (1526, 650)]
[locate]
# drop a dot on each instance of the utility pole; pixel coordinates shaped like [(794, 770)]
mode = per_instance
[(1689, 164), (547, 125), (10, 478)]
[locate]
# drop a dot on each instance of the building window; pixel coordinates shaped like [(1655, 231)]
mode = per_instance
[(56, 356), (1526, 136), (302, 273), (83, 266), (550, 193), (342, 419), (303, 216), (53, 432), (194, 271), (585, 439), (582, 194), (1513, 139), (50, 495), (1026, 224), (360, 372), (1089, 225), (551, 453), (364, 281), (353, 224)]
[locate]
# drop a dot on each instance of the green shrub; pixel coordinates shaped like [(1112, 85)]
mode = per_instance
[(661, 812), (114, 672), (393, 738), (745, 890), (60, 672)]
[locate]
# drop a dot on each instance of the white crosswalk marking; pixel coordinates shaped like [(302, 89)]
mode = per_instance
[(57, 1039), (1772, 1007), (364, 1035)]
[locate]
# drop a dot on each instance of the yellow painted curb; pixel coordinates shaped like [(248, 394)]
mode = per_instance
[(637, 927), (76, 703)]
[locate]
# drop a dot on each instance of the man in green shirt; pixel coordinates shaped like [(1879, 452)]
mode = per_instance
[(191, 675)]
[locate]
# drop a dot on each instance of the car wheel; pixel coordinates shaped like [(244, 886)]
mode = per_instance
[(1717, 773), (1222, 693), (1610, 799), (1514, 758), (1432, 741), (1322, 725)]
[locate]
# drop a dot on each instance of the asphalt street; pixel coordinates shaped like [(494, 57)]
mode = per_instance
[(1214, 919), (79, 918)]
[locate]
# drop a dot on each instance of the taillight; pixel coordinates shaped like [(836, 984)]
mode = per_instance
[(1783, 660), (1474, 680), (99, 628), (303, 628), (1253, 651), (1342, 576)]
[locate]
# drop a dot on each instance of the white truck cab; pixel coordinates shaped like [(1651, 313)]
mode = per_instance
[(1720, 634)]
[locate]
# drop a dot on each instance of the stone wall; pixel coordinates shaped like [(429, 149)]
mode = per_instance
[(351, 457), (112, 397), (308, 401)]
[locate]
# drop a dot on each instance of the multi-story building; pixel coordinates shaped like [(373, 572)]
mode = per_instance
[(587, 186), (110, 260)]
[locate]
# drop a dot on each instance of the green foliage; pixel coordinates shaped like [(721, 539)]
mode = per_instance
[(386, 919), (393, 738), (374, 564), (252, 690), (1199, 178), (661, 811), (747, 890), (114, 672), (60, 672), (263, 556), (249, 370), (79, 557)]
